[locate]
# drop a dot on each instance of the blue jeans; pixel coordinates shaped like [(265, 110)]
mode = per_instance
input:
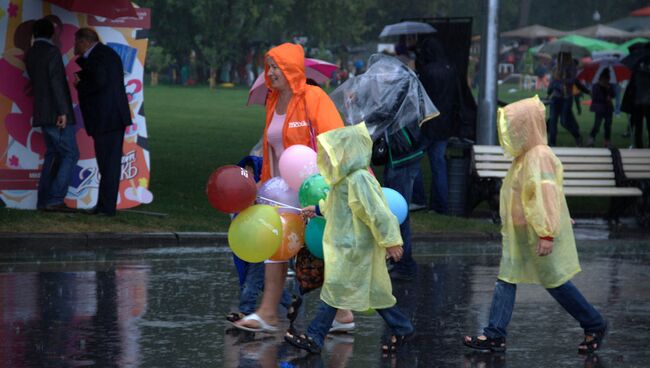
[(61, 155), (567, 295), (402, 179), (253, 285), (322, 322)]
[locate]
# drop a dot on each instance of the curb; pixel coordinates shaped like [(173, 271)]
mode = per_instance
[(38, 242)]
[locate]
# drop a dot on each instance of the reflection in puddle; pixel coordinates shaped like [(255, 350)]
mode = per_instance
[(167, 309)]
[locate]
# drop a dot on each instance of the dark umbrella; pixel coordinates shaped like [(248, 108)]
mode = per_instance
[(638, 52), (105, 8)]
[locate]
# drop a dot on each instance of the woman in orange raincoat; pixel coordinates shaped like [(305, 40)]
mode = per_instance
[(295, 114)]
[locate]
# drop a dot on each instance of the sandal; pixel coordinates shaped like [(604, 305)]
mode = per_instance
[(497, 345), (263, 325), (594, 343), (235, 316), (302, 341), (294, 308), (394, 342)]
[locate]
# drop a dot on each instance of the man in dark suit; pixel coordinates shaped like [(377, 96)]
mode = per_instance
[(53, 113), (105, 110)]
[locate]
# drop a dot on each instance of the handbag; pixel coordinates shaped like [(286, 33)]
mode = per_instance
[(310, 271)]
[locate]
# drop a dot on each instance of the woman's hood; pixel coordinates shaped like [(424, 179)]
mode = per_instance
[(291, 60)]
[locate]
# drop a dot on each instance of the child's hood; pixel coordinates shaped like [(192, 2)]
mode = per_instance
[(343, 151), (521, 126)]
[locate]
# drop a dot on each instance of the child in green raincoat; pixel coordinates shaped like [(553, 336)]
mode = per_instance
[(360, 232), (538, 242)]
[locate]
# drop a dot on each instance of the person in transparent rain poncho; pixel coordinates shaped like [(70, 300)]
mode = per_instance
[(392, 102), (538, 243), (359, 234)]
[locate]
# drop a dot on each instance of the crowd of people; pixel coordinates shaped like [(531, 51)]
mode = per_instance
[(104, 108), (362, 237)]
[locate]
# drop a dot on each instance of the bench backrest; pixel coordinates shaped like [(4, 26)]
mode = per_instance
[(636, 163), (583, 167)]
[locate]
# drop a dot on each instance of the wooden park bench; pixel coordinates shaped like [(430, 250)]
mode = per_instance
[(635, 171), (588, 172)]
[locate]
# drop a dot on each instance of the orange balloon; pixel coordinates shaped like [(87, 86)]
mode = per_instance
[(293, 236)]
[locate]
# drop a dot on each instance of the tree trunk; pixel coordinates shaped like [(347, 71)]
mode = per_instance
[(524, 12), (154, 78), (213, 78)]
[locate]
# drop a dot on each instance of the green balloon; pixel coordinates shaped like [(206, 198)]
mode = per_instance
[(312, 190)]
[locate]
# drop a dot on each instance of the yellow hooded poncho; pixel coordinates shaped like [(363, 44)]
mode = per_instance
[(359, 224), (532, 201)]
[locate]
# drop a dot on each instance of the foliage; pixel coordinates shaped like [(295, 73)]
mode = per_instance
[(157, 59)]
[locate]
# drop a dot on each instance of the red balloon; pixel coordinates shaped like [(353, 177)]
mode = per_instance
[(231, 189)]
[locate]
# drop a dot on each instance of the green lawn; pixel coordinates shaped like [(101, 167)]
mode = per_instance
[(192, 131)]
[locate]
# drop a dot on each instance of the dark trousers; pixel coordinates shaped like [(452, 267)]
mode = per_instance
[(598, 119), (638, 114), (108, 152), (322, 322), (561, 110), (402, 180)]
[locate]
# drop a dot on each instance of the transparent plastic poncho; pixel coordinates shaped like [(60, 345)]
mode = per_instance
[(360, 225), (387, 97), (532, 202)]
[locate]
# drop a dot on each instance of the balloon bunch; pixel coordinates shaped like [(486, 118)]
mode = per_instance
[(268, 223)]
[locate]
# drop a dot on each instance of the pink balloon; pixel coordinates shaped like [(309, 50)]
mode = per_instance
[(296, 164)]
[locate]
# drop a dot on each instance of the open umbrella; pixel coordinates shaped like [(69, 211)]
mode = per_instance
[(318, 70), (555, 47), (405, 28), (617, 71), (105, 8), (534, 31), (602, 31)]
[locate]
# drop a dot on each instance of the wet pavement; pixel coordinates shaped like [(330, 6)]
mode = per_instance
[(166, 308)]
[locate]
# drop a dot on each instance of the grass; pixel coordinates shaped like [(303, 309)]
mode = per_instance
[(192, 132)]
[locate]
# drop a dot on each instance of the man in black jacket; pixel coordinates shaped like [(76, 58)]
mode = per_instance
[(105, 110), (53, 113), (440, 79)]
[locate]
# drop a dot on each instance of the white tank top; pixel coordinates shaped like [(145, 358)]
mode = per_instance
[(274, 140)]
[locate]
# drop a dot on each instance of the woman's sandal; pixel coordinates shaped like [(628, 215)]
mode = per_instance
[(302, 341), (235, 316), (497, 345), (294, 308), (394, 342), (594, 343)]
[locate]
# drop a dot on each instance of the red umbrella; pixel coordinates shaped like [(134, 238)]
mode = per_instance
[(104, 8), (318, 70), (643, 12), (617, 71)]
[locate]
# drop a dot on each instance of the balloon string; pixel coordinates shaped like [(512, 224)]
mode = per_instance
[(279, 203)]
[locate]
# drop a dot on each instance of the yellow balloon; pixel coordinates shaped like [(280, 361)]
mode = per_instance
[(256, 233)]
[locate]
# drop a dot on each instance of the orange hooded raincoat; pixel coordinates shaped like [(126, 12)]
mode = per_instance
[(309, 106)]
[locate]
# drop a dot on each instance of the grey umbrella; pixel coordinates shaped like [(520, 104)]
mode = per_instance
[(555, 47), (405, 28), (534, 31)]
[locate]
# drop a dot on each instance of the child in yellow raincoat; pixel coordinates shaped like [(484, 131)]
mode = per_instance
[(538, 242), (360, 232)]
